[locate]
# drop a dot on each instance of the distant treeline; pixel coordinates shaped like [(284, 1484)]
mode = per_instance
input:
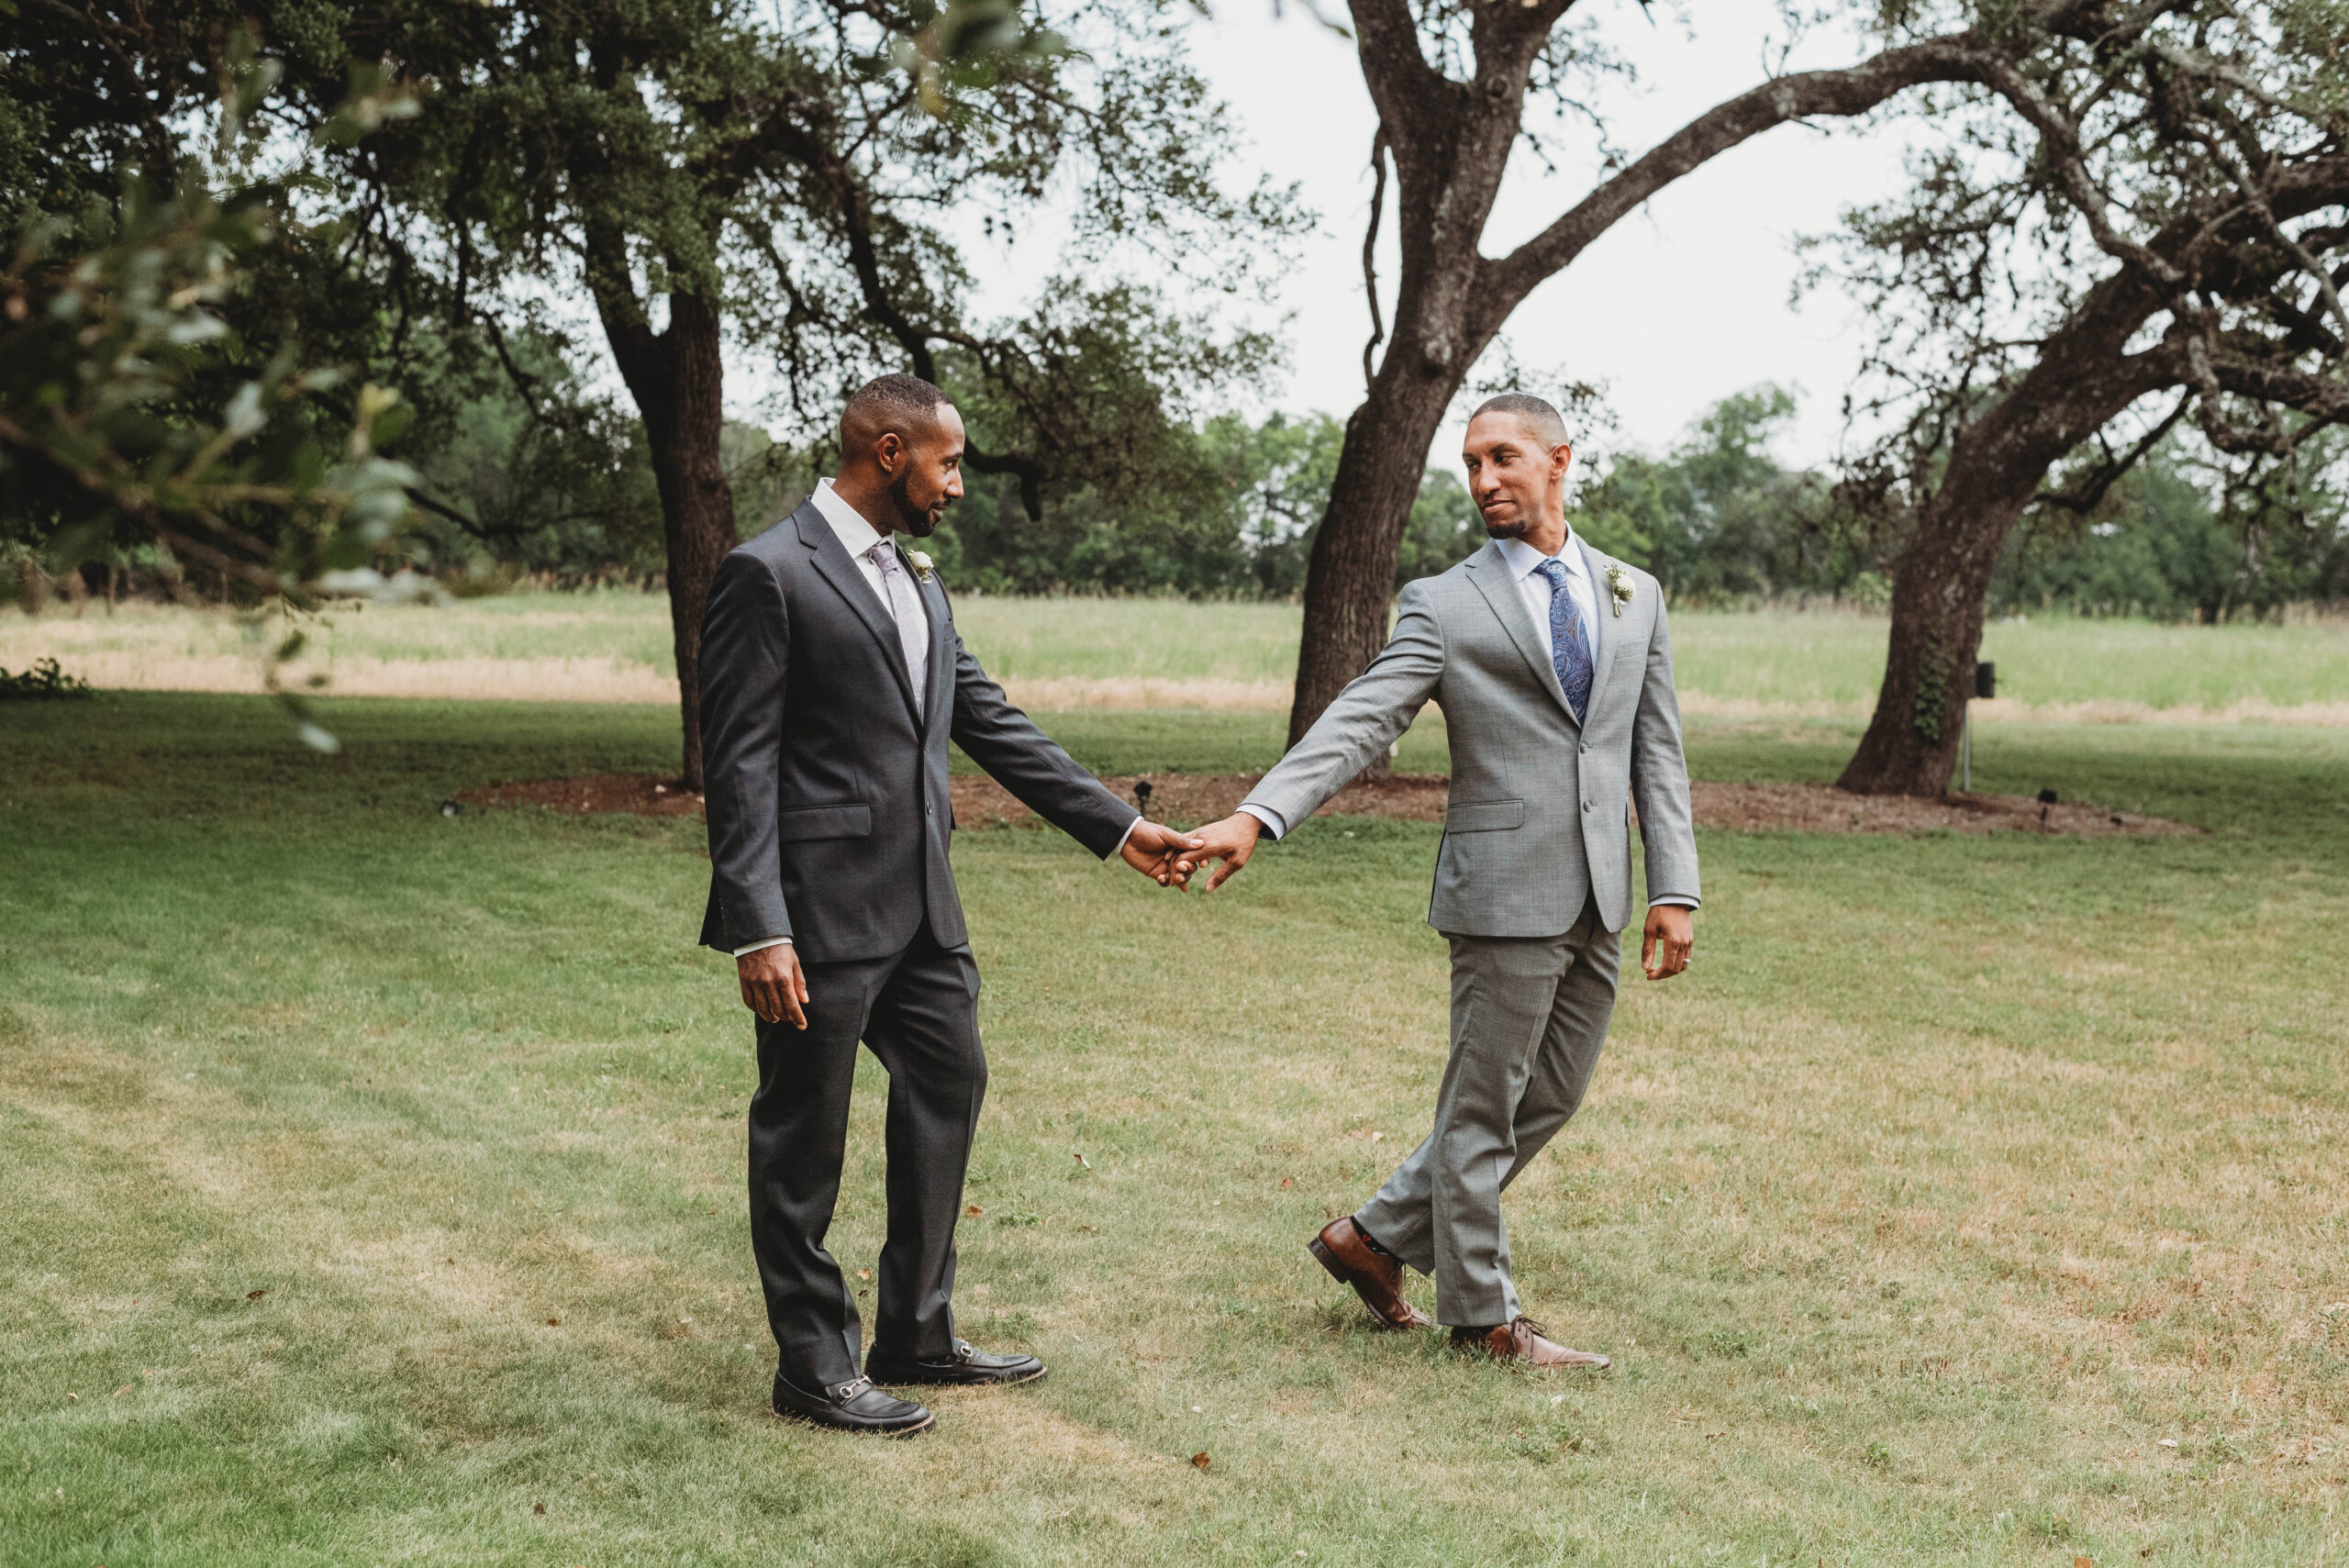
[(1721, 522), (1717, 517)]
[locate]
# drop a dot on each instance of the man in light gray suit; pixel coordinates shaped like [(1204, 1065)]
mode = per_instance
[(1554, 670)]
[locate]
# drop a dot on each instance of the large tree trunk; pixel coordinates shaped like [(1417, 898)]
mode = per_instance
[(1451, 141), (2082, 382), (1349, 577), (1938, 594), (677, 378)]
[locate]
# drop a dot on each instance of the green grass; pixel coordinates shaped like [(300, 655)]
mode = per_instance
[(1957, 1175), (1773, 657)]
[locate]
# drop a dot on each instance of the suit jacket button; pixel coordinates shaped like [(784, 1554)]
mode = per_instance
[(1586, 805)]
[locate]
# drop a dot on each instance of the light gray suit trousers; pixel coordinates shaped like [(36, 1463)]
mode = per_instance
[(1532, 883)]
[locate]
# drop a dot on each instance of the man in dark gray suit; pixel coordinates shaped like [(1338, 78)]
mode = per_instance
[(831, 679), (1554, 669)]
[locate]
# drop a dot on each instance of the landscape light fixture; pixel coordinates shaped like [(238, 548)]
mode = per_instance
[(1141, 796)]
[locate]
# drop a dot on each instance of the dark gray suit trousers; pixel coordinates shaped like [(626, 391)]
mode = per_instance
[(918, 1010)]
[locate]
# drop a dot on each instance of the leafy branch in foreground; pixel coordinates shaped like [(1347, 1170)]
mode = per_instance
[(127, 399)]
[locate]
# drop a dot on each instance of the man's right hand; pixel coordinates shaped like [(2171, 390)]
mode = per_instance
[(773, 985), (1231, 840)]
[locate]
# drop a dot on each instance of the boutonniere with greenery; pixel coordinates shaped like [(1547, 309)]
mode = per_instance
[(1618, 583), (924, 568)]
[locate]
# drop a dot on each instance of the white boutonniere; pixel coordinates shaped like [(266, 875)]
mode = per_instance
[(1618, 583), (923, 567)]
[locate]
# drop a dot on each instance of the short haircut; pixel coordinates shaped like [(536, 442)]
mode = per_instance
[(906, 403), (1547, 425)]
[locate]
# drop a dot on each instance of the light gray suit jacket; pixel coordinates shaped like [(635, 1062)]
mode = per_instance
[(1540, 815)]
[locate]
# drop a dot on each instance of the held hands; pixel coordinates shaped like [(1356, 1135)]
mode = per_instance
[(773, 985), (1665, 944), (1161, 853), (775, 988), (1231, 840)]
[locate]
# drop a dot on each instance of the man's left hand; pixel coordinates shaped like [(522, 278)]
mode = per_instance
[(1161, 853), (1671, 935)]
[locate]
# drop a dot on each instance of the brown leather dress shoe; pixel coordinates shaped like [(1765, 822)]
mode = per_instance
[(1523, 1341), (1376, 1278)]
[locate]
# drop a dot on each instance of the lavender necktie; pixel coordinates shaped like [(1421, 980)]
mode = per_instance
[(905, 608), (1569, 651)]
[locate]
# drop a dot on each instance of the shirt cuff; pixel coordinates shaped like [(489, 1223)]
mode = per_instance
[(1270, 818), (763, 942), (1680, 900), (1124, 836)]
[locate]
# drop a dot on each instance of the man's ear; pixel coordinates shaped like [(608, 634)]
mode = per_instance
[(889, 451)]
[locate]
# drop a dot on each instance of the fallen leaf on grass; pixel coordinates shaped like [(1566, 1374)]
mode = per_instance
[(2169, 1443), (1199, 1460), (537, 1507), (1084, 1162), (256, 1294), (974, 1211), (123, 1390), (864, 1273), (554, 1322), (2086, 1562)]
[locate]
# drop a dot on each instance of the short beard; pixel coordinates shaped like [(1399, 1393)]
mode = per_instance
[(919, 521), (1513, 529)]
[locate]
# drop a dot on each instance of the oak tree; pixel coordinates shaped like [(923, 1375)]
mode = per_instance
[(2137, 227)]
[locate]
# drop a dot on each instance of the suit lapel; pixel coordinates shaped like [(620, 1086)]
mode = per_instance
[(833, 561), (1602, 611), (1488, 568), (941, 695)]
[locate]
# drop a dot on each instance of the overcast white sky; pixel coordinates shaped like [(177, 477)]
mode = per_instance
[(1677, 306)]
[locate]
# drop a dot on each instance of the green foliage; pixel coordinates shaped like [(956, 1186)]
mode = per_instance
[(2156, 546), (1232, 514), (123, 398), (1718, 520), (45, 682), (135, 413)]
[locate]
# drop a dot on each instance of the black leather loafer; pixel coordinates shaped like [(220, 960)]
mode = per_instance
[(853, 1406), (963, 1368)]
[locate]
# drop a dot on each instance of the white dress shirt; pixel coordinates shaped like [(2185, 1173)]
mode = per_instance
[(1533, 587), (859, 536)]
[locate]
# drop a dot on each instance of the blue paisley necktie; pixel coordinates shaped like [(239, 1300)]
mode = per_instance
[(1569, 650)]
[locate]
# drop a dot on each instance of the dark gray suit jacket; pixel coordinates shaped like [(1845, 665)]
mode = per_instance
[(825, 772)]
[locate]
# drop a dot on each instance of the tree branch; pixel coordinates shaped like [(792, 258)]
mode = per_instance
[(1954, 56), (1370, 252)]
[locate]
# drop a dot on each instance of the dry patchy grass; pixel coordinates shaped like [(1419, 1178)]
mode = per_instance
[(1957, 1178)]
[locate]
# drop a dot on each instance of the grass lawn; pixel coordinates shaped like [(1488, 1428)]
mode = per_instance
[(1775, 656), (374, 1181)]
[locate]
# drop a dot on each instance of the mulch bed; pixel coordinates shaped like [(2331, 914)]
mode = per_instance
[(642, 794), (1192, 798)]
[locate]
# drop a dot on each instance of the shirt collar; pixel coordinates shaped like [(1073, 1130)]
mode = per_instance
[(856, 535), (1524, 559)]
